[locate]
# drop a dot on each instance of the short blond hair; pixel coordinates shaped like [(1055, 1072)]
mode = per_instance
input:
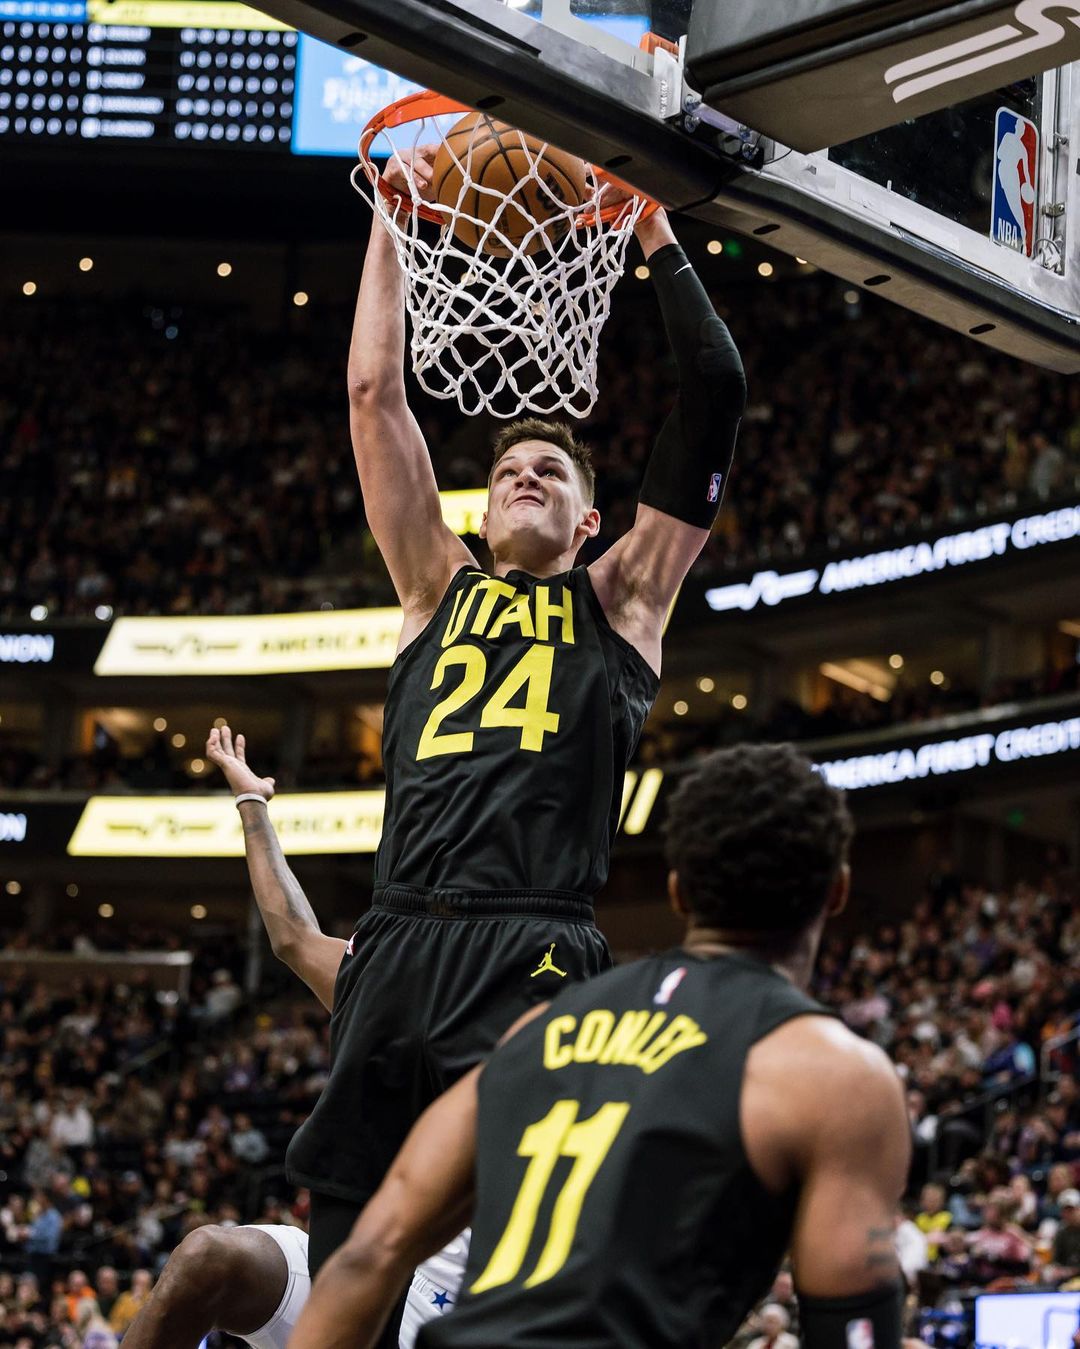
[(558, 434)]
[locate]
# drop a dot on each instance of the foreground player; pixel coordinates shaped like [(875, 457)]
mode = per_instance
[(513, 707), (637, 1159), (253, 1281)]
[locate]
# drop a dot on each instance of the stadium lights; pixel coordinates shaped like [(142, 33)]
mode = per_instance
[(219, 722), (715, 246), (72, 891), (224, 269), (103, 612), (937, 678), (861, 683), (198, 911), (196, 766), (39, 613), (641, 272), (765, 269), (851, 297), (13, 888), (160, 724), (29, 288), (179, 740), (105, 910), (802, 262), (300, 299), (739, 702), (86, 264), (705, 684), (681, 708), (896, 661)]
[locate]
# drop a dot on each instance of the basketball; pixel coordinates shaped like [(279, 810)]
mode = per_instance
[(493, 173)]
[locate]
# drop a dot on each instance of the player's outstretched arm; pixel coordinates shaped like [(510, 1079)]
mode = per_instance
[(291, 925), (637, 579), (851, 1156), (425, 1201), (401, 497)]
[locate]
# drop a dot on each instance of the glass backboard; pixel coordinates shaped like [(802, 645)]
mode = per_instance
[(960, 214)]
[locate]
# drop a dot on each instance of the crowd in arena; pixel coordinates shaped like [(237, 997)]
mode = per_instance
[(128, 1117), (216, 476)]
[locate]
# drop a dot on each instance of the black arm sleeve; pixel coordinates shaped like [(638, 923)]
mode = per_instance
[(867, 1321), (692, 457)]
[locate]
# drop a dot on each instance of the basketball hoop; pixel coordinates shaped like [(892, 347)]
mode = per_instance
[(507, 302)]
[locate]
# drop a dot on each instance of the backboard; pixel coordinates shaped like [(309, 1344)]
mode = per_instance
[(960, 213)]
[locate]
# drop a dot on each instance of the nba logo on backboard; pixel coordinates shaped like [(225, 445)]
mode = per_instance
[(714, 488), (860, 1335), (1016, 182)]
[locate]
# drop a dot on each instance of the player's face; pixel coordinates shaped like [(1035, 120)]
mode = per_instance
[(536, 504)]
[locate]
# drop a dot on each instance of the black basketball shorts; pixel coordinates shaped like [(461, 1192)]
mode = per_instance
[(429, 983)]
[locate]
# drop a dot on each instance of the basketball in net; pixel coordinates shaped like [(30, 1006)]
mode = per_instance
[(509, 249), (517, 187)]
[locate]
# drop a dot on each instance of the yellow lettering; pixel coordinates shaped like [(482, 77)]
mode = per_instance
[(557, 1055), (463, 603), (546, 611), (517, 614), (593, 1035), (683, 1033), (623, 1036), (633, 1052), (493, 589)]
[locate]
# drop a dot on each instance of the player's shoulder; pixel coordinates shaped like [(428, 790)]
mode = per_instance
[(829, 1072)]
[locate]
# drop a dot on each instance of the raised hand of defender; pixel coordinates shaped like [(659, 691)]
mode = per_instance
[(231, 760), (417, 165)]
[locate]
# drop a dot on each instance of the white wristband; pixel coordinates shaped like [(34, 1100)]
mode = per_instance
[(252, 796)]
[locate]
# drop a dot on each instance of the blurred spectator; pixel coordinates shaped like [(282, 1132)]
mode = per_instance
[(774, 1322), (932, 1217), (128, 1305), (1066, 1249)]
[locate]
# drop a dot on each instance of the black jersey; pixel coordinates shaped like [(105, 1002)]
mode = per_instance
[(510, 721), (615, 1205)]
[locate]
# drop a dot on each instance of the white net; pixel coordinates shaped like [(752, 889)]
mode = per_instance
[(507, 286)]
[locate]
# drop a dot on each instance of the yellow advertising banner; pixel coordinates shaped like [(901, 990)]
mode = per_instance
[(252, 644), (307, 823), (463, 511), (216, 14), (209, 826)]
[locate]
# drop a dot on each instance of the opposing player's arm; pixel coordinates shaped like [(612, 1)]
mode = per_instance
[(637, 579), (850, 1151), (425, 1200), (290, 921), (401, 497)]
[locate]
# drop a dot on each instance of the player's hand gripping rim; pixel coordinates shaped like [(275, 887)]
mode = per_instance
[(233, 763)]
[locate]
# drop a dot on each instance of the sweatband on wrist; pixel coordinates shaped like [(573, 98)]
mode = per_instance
[(866, 1321), (690, 462), (251, 796)]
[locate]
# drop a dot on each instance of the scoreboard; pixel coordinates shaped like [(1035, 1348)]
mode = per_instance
[(180, 73)]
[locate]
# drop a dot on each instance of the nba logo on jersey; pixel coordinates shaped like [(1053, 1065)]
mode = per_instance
[(714, 488), (1016, 182), (663, 994), (860, 1335)]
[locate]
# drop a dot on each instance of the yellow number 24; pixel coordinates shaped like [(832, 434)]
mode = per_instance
[(534, 720), (558, 1134)]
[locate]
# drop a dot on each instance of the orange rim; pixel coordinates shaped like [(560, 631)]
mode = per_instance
[(419, 106)]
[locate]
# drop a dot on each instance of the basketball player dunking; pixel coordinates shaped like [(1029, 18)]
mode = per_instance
[(514, 704), (637, 1158)]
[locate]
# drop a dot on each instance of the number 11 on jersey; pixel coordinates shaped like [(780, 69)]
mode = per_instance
[(558, 1134)]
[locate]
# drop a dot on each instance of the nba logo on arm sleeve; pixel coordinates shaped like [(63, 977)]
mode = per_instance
[(1016, 182), (714, 488), (860, 1335)]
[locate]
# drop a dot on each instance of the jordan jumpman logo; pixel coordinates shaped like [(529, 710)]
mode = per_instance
[(546, 964)]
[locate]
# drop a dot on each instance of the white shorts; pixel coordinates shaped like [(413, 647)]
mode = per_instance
[(433, 1290), (294, 1246)]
